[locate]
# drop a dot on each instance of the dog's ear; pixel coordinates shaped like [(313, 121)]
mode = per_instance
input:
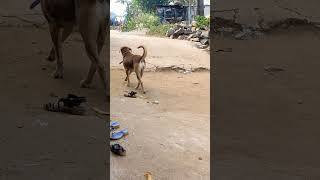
[(121, 49)]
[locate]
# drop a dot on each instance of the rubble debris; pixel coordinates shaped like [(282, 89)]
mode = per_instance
[(200, 69), (182, 31), (204, 41), (170, 32), (272, 70), (182, 37), (195, 39), (201, 46)]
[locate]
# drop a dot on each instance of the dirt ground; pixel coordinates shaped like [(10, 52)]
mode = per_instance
[(36, 144), (170, 139), (267, 125)]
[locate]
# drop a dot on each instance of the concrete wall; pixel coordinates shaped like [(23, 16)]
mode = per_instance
[(271, 10)]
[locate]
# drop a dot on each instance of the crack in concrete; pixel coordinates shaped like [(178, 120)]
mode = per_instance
[(295, 11)]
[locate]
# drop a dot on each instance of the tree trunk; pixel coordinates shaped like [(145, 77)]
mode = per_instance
[(200, 8)]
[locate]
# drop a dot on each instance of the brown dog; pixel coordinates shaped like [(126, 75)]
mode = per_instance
[(91, 18), (134, 63)]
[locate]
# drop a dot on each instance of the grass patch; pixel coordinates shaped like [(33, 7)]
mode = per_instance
[(159, 30), (149, 21)]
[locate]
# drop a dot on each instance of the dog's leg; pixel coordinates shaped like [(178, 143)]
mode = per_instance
[(65, 34), (136, 70), (140, 82), (56, 39), (127, 78)]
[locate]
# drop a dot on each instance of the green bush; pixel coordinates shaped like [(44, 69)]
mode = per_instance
[(202, 22), (142, 20), (159, 30), (149, 21)]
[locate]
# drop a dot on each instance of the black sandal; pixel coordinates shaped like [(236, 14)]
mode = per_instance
[(118, 150), (72, 100), (131, 94), (70, 104)]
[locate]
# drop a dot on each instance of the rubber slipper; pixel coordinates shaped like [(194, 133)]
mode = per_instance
[(114, 125), (118, 149), (57, 107), (131, 94), (119, 134), (72, 100)]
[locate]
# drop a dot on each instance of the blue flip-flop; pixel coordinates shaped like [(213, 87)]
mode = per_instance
[(119, 134), (114, 125)]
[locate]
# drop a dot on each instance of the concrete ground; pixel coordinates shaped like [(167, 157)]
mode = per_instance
[(36, 144), (266, 124)]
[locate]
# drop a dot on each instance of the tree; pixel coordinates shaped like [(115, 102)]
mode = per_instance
[(200, 7), (186, 2), (148, 5)]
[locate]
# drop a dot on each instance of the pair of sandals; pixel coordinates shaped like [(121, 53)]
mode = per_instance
[(70, 104), (116, 135)]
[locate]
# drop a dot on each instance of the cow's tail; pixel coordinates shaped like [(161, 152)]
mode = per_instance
[(35, 3)]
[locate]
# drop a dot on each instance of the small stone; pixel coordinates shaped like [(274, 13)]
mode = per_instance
[(155, 102), (178, 32), (170, 32), (204, 41), (190, 36), (195, 40), (181, 37), (20, 124), (200, 158), (187, 31), (198, 33), (240, 35)]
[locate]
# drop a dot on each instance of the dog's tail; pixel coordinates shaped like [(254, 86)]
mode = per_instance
[(34, 4), (144, 55)]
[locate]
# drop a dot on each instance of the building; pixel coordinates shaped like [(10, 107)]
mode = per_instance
[(177, 13)]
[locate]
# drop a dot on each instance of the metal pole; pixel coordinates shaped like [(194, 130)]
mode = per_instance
[(189, 13)]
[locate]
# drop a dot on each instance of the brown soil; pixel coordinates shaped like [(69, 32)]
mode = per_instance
[(169, 126)]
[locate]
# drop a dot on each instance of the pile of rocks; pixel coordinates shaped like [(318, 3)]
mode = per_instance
[(183, 32)]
